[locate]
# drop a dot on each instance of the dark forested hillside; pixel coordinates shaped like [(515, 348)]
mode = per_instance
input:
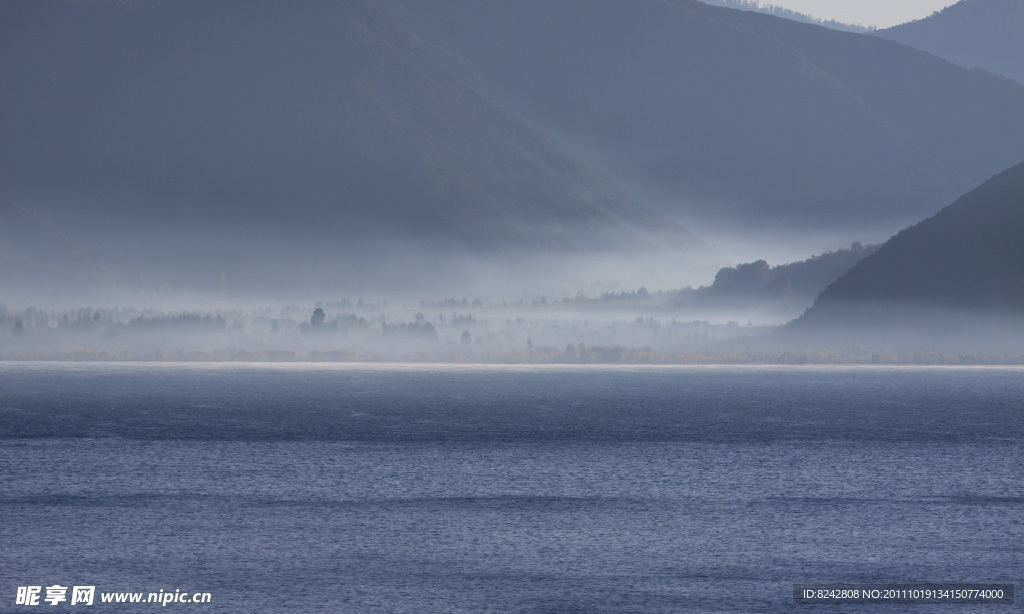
[(782, 291), (967, 259), (984, 34), (803, 279), (737, 116)]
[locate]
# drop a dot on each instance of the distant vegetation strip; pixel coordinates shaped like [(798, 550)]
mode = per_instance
[(599, 355)]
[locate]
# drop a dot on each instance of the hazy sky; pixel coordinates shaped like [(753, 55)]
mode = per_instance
[(879, 13)]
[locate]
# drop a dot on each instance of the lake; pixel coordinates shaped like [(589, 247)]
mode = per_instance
[(427, 488)]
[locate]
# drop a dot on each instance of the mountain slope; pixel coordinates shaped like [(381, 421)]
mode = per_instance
[(778, 11), (735, 116), (773, 294), (756, 281), (321, 119), (984, 34), (35, 258), (963, 265)]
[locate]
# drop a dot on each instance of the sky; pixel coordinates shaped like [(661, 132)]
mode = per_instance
[(878, 13)]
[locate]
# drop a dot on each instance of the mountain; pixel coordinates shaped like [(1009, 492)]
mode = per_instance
[(780, 292), (183, 125), (982, 34), (740, 118), (36, 257), (778, 11), (958, 271), (755, 281)]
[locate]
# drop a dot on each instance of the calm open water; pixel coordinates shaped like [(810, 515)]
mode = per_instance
[(439, 489)]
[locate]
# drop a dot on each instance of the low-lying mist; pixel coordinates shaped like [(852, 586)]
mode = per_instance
[(118, 292), (638, 326)]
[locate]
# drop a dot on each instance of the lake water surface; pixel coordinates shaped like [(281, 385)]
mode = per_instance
[(362, 488)]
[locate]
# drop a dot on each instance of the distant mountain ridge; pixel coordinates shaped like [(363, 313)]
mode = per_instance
[(734, 115), (984, 34), (778, 11)]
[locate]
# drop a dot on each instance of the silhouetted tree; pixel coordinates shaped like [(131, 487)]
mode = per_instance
[(317, 319)]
